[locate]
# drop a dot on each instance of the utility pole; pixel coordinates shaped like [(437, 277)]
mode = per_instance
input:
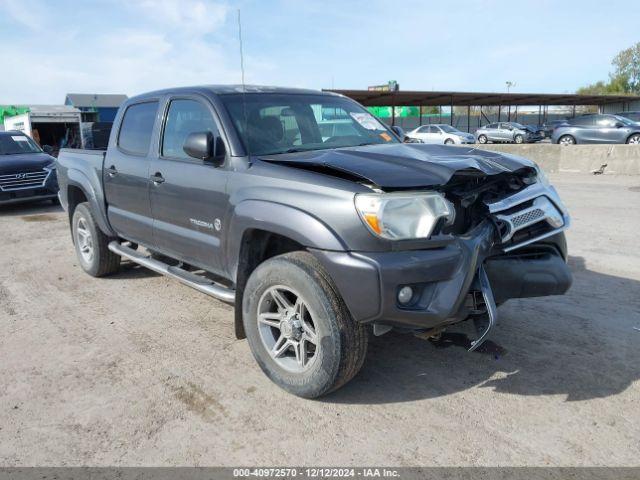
[(509, 85)]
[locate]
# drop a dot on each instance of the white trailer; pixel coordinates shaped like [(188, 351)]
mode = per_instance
[(54, 125)]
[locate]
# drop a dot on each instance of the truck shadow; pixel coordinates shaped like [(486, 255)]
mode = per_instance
[(581, 346)]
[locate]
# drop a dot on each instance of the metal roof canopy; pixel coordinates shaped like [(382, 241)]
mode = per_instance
[(456, 99)]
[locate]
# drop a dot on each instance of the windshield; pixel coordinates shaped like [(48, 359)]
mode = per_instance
[(283, 123), (448, 129), (17, 143), (624, 120)]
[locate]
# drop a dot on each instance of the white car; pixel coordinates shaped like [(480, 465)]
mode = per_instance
[(441, 133)]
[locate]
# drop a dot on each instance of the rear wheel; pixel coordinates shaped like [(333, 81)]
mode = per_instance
[(566, 140), (91, 244), (482, 139), (299, 329), (634, 139)]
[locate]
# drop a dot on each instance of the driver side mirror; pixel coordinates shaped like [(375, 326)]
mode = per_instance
[(205, 146), (619, 124), (48, 149), (400, 133)]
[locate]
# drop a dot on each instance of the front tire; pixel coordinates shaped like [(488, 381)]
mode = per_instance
[(566, 140), (298, 327), (482, 139), (519, 139), (634, 139), (91, 244), (448, 141)]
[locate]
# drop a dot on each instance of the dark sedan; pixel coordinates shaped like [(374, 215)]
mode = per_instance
[(26, 172), (597, 128)]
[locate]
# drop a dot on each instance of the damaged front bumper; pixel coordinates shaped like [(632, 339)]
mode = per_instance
[(503, 257)]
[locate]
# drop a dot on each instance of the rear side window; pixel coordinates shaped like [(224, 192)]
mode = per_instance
[(137, 127), (585, 121)]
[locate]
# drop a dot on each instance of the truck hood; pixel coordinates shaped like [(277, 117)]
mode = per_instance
[(403, 165), (24, 162)]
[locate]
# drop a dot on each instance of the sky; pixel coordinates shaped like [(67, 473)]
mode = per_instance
[(52, 47)]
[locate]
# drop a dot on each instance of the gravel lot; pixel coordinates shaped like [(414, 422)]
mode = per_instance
[(136, 369)]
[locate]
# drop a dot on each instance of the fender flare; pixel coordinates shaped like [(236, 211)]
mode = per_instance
[(299, 226), (77, 178)]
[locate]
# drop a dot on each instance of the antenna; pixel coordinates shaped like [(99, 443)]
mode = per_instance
[(244, 89)]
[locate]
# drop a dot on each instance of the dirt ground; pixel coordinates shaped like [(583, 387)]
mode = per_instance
[(136, 369)]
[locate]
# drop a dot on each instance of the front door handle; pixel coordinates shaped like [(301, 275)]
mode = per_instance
[(157, 178), (112, 171)]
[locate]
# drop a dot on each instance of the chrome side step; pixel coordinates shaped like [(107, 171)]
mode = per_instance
[(202, 284), (492, 310)]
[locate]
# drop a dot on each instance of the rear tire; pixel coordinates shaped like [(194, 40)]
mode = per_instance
[(91, 244), (482, 139), (299, 328), (634, 139), (566, 140)]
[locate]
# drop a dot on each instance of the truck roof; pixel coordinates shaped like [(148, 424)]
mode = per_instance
[(230, 89)]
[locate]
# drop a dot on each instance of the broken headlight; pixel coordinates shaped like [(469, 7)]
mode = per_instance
[(402, 216)]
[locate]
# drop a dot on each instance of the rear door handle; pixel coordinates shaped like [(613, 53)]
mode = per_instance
[(157, 178), (112, 171)]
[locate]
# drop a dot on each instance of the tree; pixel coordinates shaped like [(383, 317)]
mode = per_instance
[(627, 64), (625, 79)]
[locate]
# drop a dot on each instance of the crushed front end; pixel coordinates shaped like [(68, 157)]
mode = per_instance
[(507, 241)]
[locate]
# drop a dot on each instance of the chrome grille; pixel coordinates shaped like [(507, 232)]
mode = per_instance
[(527, 218), (23, 180)]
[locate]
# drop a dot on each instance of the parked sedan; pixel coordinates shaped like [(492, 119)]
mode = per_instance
[(26, 172), (508, 132), (441, 134), (597, 128)]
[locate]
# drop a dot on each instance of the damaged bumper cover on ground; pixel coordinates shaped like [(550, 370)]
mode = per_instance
[(520, 245)]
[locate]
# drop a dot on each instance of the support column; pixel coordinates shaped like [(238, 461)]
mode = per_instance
[(499, 112), (451, 118), (420, 116), (468, 118)]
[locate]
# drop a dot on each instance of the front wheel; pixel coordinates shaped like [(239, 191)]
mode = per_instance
[(519, 139), (448, 141), (566, 140), (634, 139), (482, 139), (91, 244), (299, 329)]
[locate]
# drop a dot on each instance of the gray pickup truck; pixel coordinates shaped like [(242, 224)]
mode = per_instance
[(314, 220)]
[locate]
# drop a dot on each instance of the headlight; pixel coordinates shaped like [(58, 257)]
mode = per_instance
[(401, 216)]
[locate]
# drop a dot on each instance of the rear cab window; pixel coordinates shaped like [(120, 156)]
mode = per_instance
[(136, 128)]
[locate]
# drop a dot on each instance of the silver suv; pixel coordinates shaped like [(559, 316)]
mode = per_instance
[(508, 132)]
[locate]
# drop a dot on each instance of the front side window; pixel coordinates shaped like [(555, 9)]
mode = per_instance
[(606, 121), (283, 123), (137, 127), (449, 129), (492, 125), (14, 144), (184, 118)]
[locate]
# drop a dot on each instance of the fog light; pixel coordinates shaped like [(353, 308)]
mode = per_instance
[(405, 295)]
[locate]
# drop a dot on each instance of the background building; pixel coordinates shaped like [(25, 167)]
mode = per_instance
[(96, 107)]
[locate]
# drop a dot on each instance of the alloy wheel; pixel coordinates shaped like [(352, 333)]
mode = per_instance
[(567, 140), (84, 239), (287, 329), (634, 139)]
